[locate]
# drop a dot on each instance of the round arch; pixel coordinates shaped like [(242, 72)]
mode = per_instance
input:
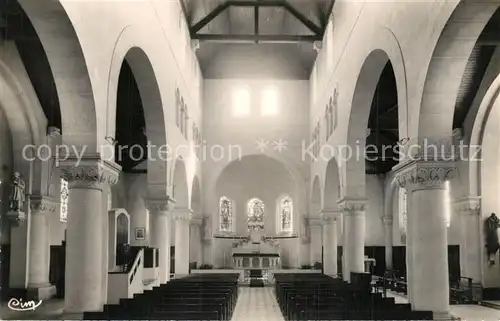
[(196, 196), (316, 197), (477, 136), (332, 185), (447, 65), (385, 49), (74, 88), (180, 186)]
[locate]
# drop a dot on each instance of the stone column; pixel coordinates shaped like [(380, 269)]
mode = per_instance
[(39, 287), (87, 177), (316, 236), (410, 215), (182, 217), (330, 241), (160, 232), (387, 222), (429, 281), (196, 244), (469, 210), (354, 245)]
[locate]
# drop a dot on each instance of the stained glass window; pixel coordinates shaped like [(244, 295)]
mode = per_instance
[(403, 216), (285, 214), (64, 200), (226, 214), (255, 212)]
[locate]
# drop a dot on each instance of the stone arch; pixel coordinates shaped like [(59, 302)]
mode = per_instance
[(364, 90), (156, 130), (477, 135), (447, 66), (196, 196), (316, 197), (74, 88), (332, 185), (179, 184)]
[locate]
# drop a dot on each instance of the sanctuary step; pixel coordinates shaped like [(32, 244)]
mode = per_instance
[(320, 297), (491, 304), (197, 297), (256, 279)]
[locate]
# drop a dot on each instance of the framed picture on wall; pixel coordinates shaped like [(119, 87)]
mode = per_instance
[(140, 233)]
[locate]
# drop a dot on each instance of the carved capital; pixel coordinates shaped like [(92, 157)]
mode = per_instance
[(425, 174), (89, 172), (387, 220), (160, 205), (315, 220), (197, 221), (352, 205), (42, 204), (329, 215), (468, 206), (182, 214)]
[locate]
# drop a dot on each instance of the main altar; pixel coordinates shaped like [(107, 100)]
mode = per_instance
[(256, 252)]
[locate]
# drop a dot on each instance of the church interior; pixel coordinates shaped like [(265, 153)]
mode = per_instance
[(246, 160)]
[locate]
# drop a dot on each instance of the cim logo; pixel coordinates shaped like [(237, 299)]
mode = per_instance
[(19, 305)]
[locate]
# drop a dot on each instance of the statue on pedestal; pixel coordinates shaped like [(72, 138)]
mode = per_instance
[(491, 226), (16, 200)]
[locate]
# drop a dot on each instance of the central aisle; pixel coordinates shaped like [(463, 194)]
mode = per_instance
[(257, 304)]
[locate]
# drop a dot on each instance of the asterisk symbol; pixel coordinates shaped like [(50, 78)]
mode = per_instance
[(262, 145), (280, 145)]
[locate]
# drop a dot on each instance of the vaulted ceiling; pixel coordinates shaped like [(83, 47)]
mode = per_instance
[(286, 28)]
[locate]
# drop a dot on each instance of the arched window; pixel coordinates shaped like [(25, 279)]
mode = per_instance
[(226, 214), (332, 118), (334, 107), (255, 212), (403, 216), (63, 215), (269, 102), (285, 214), (241, 102), (183, 116), (327, 124)]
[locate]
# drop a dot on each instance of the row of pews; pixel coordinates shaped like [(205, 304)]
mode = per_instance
[(197, 297), (320, 297)]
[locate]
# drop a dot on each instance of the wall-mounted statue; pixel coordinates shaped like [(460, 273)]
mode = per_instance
[(16, 200), (491, 225)]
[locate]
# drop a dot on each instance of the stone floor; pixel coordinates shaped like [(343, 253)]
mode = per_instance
[(257, 304), (465, 312)]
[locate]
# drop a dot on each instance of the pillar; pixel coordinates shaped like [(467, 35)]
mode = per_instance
[(316, 230), (469, 211), (87, 177), (330, 241), (387, 222), (137, 207), (354, 243), (39, 287), (182, 217), (429, 279), (159, 211), (196, 245)]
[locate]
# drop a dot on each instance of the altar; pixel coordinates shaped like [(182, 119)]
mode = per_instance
[(256, 253)]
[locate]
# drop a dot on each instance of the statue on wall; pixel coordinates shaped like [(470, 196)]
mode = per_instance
[(491, 225), (17, 198)]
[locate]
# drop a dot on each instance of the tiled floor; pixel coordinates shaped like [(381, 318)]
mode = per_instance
[(465, 312), (257, 304)]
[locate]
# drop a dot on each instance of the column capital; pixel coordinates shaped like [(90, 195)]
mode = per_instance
[(89, 171), (329, 215), (197, 220), (42, 204), (352, 205), (387, 220), (183, 214), (423, 174), (315, 221), (470, 205), (159, 205)]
